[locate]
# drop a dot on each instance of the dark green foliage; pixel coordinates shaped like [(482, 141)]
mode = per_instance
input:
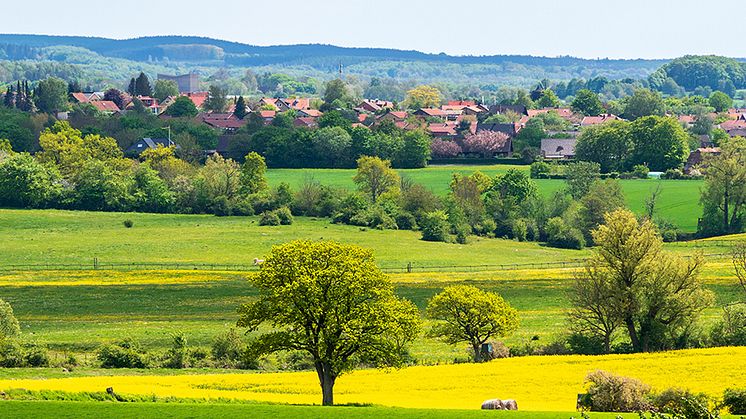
[(123, 354), (26, 183), (142, 86), (11, 354), (177, 355), (561, 235), (128, 223), (587, 102), (50, 95), (694, 71), (269, 218), (182, 107), (720, 101), (285, 216), (240, 110), (36, 356), (735, 401), (731, 330)]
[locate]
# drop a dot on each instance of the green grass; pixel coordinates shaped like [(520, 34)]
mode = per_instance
[(678, 202), (66, 409), (40, 236)]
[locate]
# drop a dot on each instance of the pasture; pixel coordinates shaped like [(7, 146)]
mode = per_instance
[(678, 201)]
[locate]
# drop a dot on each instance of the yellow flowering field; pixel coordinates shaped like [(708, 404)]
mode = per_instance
[(108, 277), (548, 383)]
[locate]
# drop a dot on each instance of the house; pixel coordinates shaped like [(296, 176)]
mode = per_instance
[(227, 122), (105, 106), (600, 119), (442, 129), (148, 143), (268, 116), (511, 129), (305, 122), (269, 102), (309, 113), (395, 116), (697, 157), (298, 104), (79, 97), (501, 109), (198, 98), (374, 106), (558, 148), (431, 113)]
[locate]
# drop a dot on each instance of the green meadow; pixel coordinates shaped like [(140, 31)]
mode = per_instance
[(678, 201)]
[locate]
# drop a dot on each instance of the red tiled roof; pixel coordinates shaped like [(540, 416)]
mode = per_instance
[(462, 103), (305, 122), (595, 120), (105, 105), (81, 97), (431, 112), (267, 114), (298, 104), (312, 113), (398, 114), (198, 98)]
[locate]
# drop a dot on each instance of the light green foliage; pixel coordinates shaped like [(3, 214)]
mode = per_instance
[(422, 97), (602, 197), (655, 295), (644, 102), (720, 101), (465, 313), (24, 182), (724, 194), (659, 142), (165, 88), (68, 149), (331, 301), (217, 100), (376, 177), (548, 99), (253, 172), (607, 144), (580, 176), (9, 327)]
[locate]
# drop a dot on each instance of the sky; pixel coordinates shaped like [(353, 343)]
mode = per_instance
[(580, 28)]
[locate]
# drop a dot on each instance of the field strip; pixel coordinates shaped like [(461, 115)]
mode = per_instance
[(539, 383)]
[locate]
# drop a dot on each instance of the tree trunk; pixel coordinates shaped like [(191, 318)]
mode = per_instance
[(630, 323), (326, 379), (607, 343), (726, 215), (477, 352)]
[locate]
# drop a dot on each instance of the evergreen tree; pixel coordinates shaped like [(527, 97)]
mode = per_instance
[(132, 87), (142, 86), (240, 110), (73, 87), (19, 96), (8, 99)]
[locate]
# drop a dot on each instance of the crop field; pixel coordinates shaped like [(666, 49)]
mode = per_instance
[(539, 383), (678, 201)]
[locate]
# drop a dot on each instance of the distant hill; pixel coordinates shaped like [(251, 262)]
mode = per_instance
[(316, 55)]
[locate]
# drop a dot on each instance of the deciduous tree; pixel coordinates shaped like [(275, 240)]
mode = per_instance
[(331, 301), (375, 177)]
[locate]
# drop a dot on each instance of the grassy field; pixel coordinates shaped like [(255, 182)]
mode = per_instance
[(76, 311), (538, 383), (678, 202), (75, 410)]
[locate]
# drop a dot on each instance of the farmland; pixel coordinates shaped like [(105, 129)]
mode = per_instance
[(678, 201)]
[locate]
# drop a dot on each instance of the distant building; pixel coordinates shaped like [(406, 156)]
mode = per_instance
[(558, 148), (188, 83), (148, 143)]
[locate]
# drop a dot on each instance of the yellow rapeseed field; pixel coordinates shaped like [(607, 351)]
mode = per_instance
[(547, 383)]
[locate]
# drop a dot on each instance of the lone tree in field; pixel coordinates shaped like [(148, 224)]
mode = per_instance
[(331, 301), (375, 177), (467, 314), (629, 280), (9, 327)]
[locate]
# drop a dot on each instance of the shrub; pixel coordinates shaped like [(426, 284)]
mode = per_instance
[(227, 347), (243, 207), (11, 354), (682, 404), (613, 393), (124, 354), (540, 170), (177, 355), (582, 344), (731, 330), (735, 401), (128, 223), (375, 217), (520, 230), (9, 327), (434, 226), (36, 356), (640, 171), (462, 233), (222, 207), (285, 216), (405, 221), (269, 218), (559, 234)]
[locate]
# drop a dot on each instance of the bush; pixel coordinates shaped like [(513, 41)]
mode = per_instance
[(124, 354), (563, 236), (682, 404), (735, 401), (731, 330), (285, 216), (435, 227), (581, 344), (405, 221), (612, 393), (222, 207), (640, 171), (374, 216), (128, 223), (520, 230), (11, 354), (9, 327), (228, 347), (540, 170), (177, 355), (269, 218), (243, 207), (36, 356)]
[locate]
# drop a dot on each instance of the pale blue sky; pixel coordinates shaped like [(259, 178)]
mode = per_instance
[(584, 28)]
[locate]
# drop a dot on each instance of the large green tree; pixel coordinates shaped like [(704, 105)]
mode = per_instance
[(654, 295), (165, 88), (464, 313), (644, 102), (217, 99), (375, 177), (332, 302), (724, 194), (587, 103), (50, 95), (182, 107), (660, 143), (609, 145), (720, 101)]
